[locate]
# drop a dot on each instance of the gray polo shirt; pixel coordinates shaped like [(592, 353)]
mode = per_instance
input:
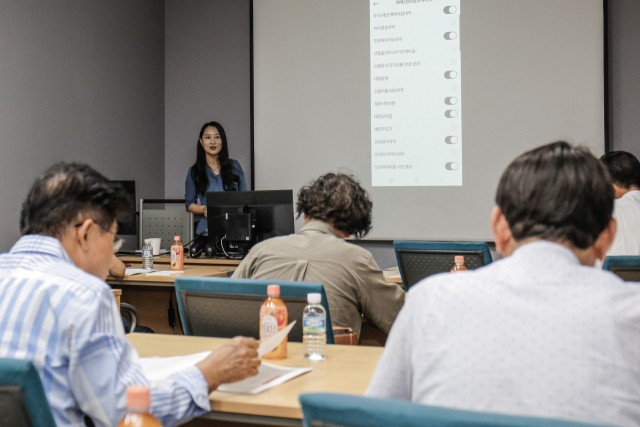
[(354, 283)]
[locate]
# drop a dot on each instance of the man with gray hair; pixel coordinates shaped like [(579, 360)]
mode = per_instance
[(57, 311)]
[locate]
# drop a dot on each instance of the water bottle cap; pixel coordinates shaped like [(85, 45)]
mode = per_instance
[(314, 298), (138, 397), (176, 238), (273, 290), (147, 240), (459, 259)]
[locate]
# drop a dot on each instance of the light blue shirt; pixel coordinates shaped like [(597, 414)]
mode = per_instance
[(67, 323), (535, 334), (215, 184)]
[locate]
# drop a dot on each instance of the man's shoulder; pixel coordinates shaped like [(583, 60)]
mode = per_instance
[(629, 201), (54, 272)]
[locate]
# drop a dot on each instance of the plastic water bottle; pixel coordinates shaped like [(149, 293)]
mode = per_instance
[(147, 255), (314, 328)]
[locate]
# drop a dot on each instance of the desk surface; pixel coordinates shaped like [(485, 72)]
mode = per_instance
[(189, 271), (166, 259), (347, 369)]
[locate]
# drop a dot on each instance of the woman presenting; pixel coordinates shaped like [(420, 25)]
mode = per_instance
[(212, 171)]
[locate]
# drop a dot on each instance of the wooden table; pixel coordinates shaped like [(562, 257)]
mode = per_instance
[(166, 259), (347, 369), (189, 271), (153, 295)]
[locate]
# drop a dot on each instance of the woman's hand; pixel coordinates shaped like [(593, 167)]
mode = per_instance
[(204, 211)]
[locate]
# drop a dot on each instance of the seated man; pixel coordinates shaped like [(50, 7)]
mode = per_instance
[(624, 170), (335, 207), (57, 311), (540, 332)]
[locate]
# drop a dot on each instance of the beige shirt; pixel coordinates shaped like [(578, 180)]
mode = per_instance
[(353, 282)]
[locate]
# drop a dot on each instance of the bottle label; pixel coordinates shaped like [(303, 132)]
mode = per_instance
[(146, 254), (315, 324), (177, 257), (273, 320), (269, 327)]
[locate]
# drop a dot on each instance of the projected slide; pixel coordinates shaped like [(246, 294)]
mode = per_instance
[(416, 101)]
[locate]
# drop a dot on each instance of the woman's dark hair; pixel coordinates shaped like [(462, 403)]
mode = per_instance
[(556, 192), (65, 193), (623, 168), (230, 180), (337, 199)]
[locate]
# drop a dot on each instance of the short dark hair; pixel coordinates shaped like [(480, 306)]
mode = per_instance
[(556, 192), (337, 199), (65, 193), (623, 168)]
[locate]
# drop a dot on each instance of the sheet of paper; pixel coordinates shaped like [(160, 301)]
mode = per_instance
[(272, 343), (268, 377), (166, 273), (157, 368), (134, 271)]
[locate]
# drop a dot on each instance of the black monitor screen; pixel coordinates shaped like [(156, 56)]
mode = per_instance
[(127, 225), (271, 212)]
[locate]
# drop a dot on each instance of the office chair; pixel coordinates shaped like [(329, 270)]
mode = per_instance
[(225, 308), (417, 260), (340, 410), (625, 267), (133, 315), (23, 402)]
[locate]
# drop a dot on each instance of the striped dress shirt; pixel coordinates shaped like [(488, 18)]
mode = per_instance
[(66, 322)]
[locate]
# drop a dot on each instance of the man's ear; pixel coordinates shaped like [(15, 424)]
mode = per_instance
[(604, 240), (500, 229), (83, 234)]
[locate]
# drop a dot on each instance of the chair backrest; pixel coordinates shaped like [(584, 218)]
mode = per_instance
[(22, 398), (625, 267), (225, 308), (172, 220), (417, 260), (338, 410)]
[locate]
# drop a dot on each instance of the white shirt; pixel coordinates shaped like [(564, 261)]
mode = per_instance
[(533, 334), (626, 211)]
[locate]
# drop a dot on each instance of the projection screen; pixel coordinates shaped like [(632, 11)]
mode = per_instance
[(424, 101)]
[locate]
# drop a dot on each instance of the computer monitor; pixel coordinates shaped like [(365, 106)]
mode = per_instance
[(237, 220), (127, 225)]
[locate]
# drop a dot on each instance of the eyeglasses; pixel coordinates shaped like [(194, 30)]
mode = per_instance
[(117, 240)]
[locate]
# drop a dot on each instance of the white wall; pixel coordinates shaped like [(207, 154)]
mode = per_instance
[(79, 81)]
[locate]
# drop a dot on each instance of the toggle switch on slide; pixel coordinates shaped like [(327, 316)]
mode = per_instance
[(450, 74), (450, 9), (452, 166), (452, 114), (451, 100), (450, 35), (451, 140)]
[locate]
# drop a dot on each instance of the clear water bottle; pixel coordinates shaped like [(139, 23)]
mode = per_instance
[(147, 255), (314, 328)]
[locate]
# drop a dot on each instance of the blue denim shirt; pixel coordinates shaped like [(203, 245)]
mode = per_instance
[(215, 184)]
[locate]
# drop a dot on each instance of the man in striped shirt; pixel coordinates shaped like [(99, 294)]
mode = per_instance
[(57, 311)]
